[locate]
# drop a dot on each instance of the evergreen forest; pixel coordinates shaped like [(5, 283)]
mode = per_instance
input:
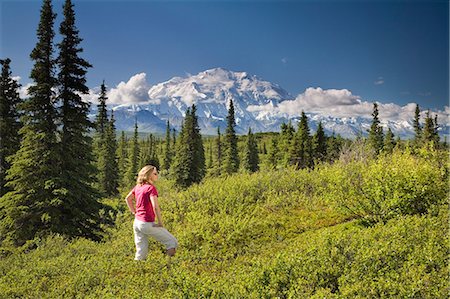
[(288, 214)]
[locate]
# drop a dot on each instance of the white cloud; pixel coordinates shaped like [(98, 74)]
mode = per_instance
[(342, 103), (132, 92), (284, 60), (23, 91), (379, 81)]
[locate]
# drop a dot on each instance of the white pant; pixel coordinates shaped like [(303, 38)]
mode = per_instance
[(143, 230)]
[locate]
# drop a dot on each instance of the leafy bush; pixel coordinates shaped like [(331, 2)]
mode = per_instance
[(399, 184)]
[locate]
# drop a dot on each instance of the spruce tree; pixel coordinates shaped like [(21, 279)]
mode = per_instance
[(273, 153), (133, 156), (231, 157), (285, 142), (251, 158), (199, 167), (174, 138), (33, 207), (334, 144), (428, 132), (189, 164), (389, 142), (167, 149), (100, 142), (376, 131), (416, 125), (112, 166), (80, 213), (101, 120), (183, 162), (209, 165), (436, 130), (122, 151), (218, 165), (9, 121), (320, 144), (301, 153)]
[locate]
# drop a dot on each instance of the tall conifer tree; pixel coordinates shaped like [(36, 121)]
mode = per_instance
[(80, 215), (133, 156), (9, 120), (429, 132), (416, 125), (389, 142), (285, 142), (189, 163), (301, 149), (231, 157), (112, 166), (376, 131), (34, 206), (100, 142), (122, 159), (251, 158), (320, 144), (218, 165), (199, 167), (273, 153), (183, 162), (167, 149)]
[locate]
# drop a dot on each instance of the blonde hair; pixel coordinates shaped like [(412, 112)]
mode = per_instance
[(144, 174)]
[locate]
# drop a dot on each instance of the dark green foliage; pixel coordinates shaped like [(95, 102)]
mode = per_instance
[(34, 206), (189, 164), (100, 142), (436, 130), (273, 153), (320, 144), (149, 152), (430, 130), (251, 158), (219, 154), (389, 142), (376, 131), (80, 206), (334, 145), (285, 142), (210, 156), (9, 121), (231, 156), (122, 156), (301, 151), (112, 167), (417, 126), (102, 112), (167, 149), (133, 156)]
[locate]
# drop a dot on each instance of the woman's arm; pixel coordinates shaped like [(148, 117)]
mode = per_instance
[(157, 210), (129, 200)]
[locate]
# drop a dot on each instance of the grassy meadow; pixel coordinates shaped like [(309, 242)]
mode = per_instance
[(355, 229)]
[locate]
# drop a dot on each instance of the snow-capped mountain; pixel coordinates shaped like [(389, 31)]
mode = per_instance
[(211, 92), (256, 102)]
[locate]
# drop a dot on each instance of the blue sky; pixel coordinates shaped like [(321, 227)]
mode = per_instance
[(386, 51)]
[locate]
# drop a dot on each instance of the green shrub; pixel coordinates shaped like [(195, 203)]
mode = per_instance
[(399, 184)]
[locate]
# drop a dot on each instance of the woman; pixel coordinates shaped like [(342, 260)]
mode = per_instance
[(145, 210)]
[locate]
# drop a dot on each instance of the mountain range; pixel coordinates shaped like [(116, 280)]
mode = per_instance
[(259, 105)]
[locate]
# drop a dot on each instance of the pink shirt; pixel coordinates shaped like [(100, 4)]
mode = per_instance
[(144, 207)]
